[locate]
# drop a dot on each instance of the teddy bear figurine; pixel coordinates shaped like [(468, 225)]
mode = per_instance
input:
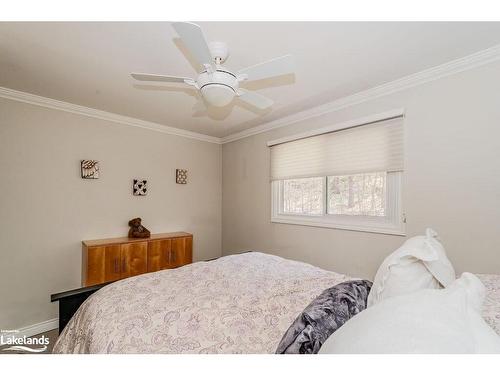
[(137, 230)]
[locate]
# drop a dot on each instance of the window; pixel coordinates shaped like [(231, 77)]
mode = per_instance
[(347, 179), (303, 196), (357, 194)]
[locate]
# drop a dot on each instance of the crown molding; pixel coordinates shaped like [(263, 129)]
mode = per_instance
[(102, 115), (453, 67)]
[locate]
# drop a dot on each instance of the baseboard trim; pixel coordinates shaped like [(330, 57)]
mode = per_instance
[(34, 329)]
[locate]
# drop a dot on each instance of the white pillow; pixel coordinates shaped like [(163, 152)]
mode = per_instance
[(428, 321), (420, 263)]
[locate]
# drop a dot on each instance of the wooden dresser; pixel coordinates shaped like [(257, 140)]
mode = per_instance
[(117, 258)]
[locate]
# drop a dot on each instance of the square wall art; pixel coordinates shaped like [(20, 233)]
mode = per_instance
[(90, 169), (140, 187), (181, 176)]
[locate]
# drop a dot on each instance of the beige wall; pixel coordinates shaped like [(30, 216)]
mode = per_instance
[(452, 181), (46, 209)]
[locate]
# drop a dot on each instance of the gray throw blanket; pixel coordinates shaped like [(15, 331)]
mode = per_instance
[(323, 316)]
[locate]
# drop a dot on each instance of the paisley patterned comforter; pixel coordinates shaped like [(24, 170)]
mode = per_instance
[(235, 304), (491, 306)]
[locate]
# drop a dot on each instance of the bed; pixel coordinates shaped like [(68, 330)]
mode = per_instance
[(236, 304)]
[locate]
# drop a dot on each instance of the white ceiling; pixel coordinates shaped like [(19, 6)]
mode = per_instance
[(89, 63)]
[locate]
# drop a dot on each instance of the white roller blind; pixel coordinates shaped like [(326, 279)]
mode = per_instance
[(365, 148)]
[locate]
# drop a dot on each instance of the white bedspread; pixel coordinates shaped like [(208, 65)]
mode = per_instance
[(235, 304)]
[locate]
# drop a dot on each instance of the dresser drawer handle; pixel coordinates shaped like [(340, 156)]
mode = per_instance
[(116, 265)]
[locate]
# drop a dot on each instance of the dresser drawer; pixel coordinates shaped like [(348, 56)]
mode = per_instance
[(134, 259), (117, 258)]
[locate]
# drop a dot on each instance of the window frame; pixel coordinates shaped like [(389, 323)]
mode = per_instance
[(392, 223)]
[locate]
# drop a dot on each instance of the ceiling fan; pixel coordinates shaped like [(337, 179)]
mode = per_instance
[(217, 85)]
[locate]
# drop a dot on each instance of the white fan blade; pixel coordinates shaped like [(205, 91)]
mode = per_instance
[(192, 36), (275, 67), (255, 99), (158, 78)]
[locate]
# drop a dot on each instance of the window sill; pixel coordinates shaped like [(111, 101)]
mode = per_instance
[(315, 222)]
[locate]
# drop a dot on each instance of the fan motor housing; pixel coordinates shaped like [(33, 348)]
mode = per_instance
[(218, 88)]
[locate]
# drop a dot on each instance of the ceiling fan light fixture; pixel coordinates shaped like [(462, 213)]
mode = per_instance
[(218, 95), (217, 85)]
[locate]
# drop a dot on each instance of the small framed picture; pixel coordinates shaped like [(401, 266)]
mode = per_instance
[(181, 176), (90, 169), (140, 187)]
